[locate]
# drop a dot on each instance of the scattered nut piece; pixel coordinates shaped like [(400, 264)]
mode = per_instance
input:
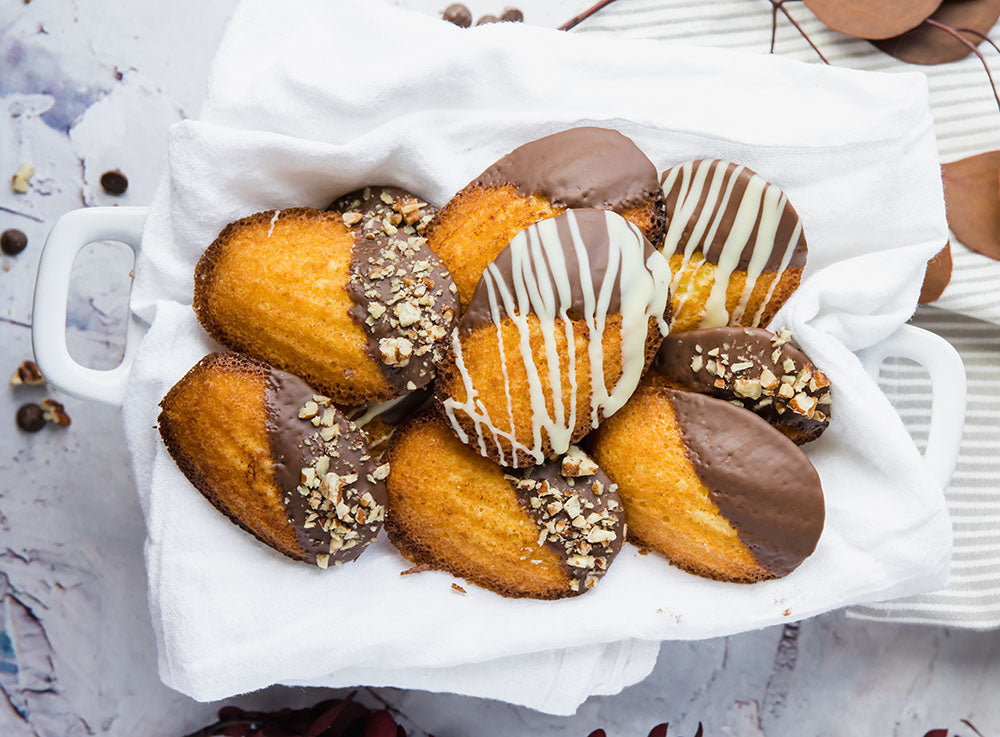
[(19, 182), (55, 413), (28, 374)]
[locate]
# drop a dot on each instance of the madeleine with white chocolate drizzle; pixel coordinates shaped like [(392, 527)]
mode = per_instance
[(735, 245), (568, 316)]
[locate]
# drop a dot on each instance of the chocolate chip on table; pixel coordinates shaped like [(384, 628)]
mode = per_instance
[(30, 417), (458, 14), (487, 19), (114, 182), (13, 241), (512, 15)]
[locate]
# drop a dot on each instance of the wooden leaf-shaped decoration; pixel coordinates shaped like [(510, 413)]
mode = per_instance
[(973, 200), (937, 276), (872, 19), (927, 45)]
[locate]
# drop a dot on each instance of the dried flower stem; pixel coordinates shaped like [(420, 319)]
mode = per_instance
[(578, 19), (975, 50), (777, 5)]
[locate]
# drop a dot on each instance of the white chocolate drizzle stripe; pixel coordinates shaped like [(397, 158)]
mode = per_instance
[(541, 285), (761, 205)]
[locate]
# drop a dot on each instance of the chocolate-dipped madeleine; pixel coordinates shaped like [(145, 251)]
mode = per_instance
[(546, 533), (556, 337), (276, 458), (351, 300), (712, 487), (762, 371), (578, 168), (735, 245)]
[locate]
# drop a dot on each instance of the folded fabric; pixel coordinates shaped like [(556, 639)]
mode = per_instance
[(293, 118)]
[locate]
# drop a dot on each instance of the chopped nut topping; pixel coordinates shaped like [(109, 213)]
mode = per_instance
[(750, 388), (582, 527), (333, 504), (352, 218), (576, 463)]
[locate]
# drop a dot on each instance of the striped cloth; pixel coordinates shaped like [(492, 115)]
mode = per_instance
[(967, 122)]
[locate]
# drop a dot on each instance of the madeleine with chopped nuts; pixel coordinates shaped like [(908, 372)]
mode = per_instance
[(350, 299), (710, 486), (754, 368), (276, 457), (545, 533)]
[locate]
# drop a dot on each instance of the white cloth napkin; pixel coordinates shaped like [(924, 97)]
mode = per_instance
[(311, 99)]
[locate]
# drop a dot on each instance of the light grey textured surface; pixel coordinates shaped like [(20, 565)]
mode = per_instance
[(76, 649)]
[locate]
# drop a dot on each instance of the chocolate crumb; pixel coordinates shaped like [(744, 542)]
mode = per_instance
[(13, 241), (487, 19), (114, 182), (30, 418), (512, 15)]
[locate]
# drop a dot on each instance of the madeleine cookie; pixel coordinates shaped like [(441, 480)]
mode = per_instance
[(357, 306), (277, 459), (556, 337), (754, 367), (735, 245), (577, 168), (547, 533), (712, 487)]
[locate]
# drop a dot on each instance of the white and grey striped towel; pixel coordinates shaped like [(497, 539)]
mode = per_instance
[(966, 122)]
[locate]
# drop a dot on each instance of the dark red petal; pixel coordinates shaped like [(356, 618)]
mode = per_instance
[(325, 720), (970, 193), (872, 18), (598, 733), (660, 730), (937, 733), (380, 724), (928, 45), (699, 732)]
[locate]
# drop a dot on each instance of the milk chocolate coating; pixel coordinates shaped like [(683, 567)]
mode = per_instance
[(583, 488), (729, 208), (296, 444), (410, 262), (760, 481), (739, 345), (577, 168), (593, 228)]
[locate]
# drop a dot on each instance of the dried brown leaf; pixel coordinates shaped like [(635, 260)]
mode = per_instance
[(872, 19), (973, 201), (937, 275), (928, 45)]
